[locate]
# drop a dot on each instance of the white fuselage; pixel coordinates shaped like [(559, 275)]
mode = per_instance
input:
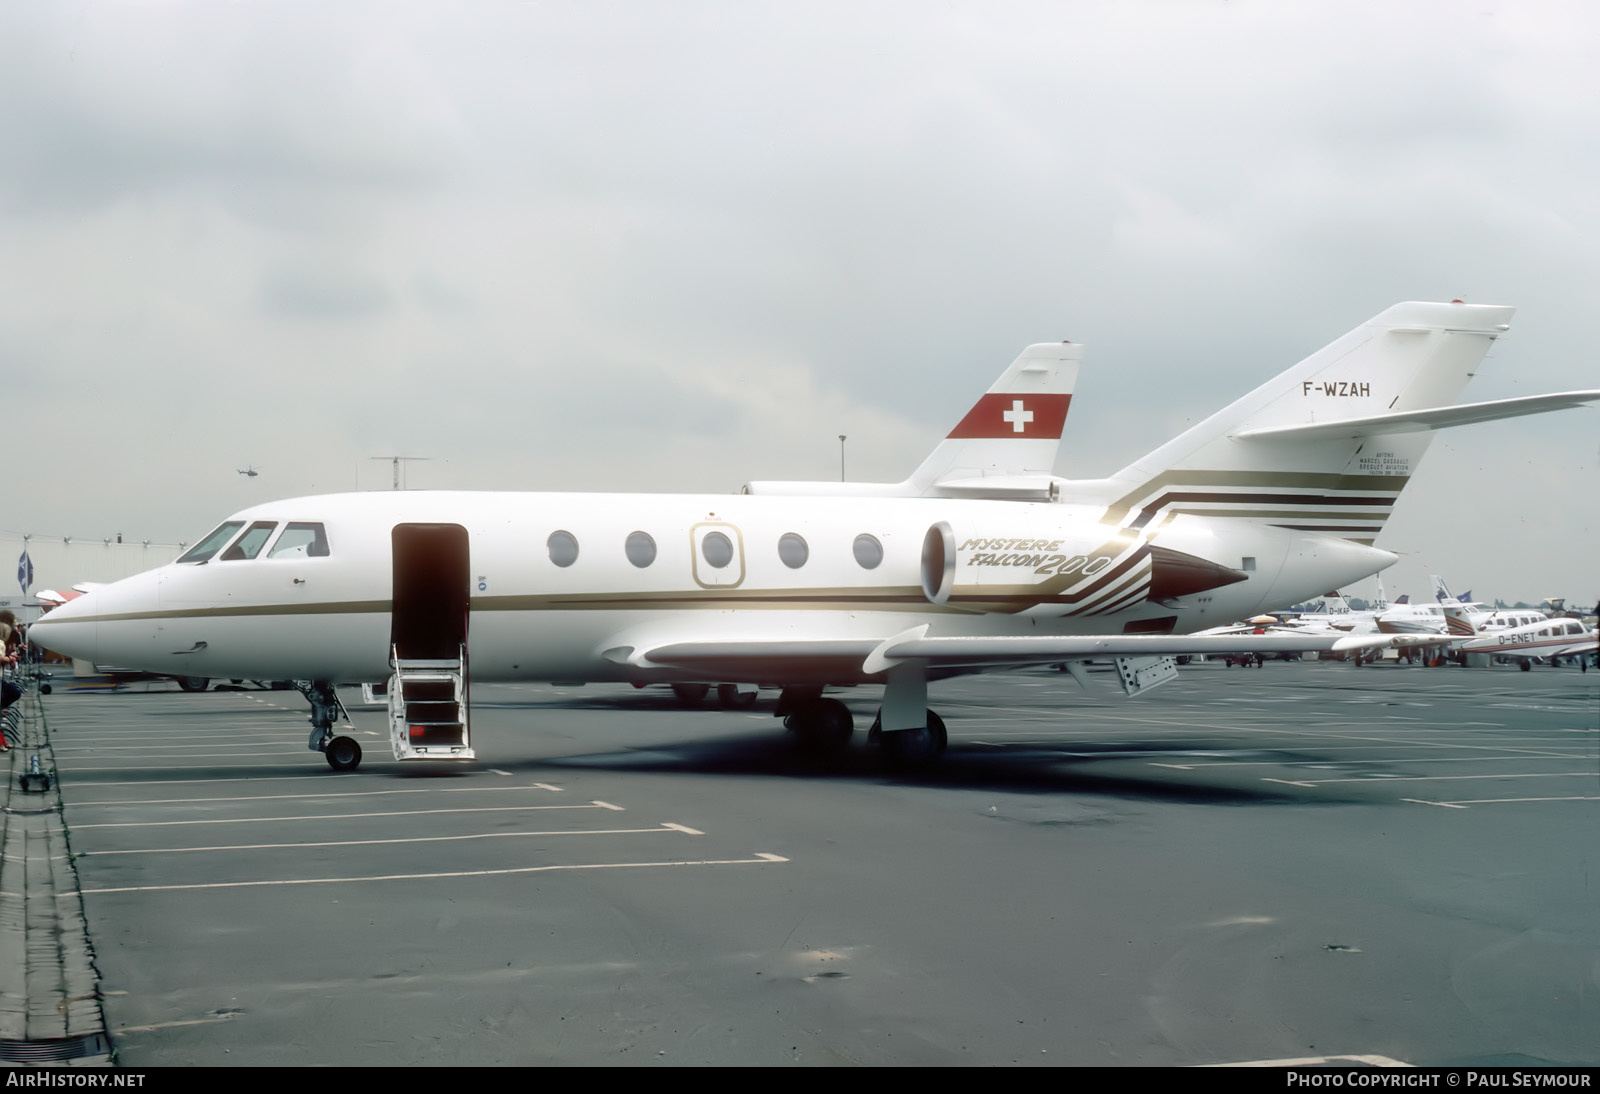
[(1019, 569)]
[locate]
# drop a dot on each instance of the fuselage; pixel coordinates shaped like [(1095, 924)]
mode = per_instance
[(305, 588)]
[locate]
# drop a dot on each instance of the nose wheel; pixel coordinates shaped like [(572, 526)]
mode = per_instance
[(343, 754)]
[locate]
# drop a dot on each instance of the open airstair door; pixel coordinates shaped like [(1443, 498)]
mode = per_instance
[(428, 643)]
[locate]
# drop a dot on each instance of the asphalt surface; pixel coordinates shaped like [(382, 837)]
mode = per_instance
[(1246, 864)]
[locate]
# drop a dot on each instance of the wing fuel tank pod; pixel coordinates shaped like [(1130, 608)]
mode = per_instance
[(1174, 574)]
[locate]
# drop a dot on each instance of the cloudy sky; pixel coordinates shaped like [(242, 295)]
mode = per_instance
[(678, 246)]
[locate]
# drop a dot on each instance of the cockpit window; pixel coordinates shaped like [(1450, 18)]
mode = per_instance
[(301, 540), (209, 546), (249, 545)]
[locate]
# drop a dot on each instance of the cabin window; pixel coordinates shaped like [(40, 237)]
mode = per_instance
[(716, 549), (209, 546), (563, 547), (641, 549), (249, 545), (868, 551), (1248, 564), (301, 539), (792, 550)]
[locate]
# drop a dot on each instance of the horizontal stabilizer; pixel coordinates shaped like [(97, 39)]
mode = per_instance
[(1422, 421)]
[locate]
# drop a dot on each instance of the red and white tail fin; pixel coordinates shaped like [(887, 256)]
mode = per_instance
[(1004, 447), (1007, 442)]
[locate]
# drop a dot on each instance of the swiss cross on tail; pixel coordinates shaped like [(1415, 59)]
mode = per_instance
[(1034, 416)]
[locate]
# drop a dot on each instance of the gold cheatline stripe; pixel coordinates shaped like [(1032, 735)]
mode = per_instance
[(1329, 513), (1118, 511)]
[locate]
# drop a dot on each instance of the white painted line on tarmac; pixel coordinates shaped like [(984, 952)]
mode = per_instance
[(762, 858), (177, 1025), (684, 828), (608, 805), (1441, 805), (75, 784), (399, 839), (1583, 756), (1448, 778), (1468, 802), (340, 816), (313, 794)]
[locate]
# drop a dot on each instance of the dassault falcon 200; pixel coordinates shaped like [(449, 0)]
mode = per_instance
[(981, 560)]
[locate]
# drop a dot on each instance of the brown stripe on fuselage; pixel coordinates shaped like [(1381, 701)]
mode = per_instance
[(1119, 510)]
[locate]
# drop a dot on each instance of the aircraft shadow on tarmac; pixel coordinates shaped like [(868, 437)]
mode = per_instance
[(1031, 770)]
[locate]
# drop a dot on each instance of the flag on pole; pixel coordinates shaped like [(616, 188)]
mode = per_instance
[(24, 571)]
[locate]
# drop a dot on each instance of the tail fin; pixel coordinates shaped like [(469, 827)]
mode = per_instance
[(1325, 446), (1011, 433), (1004, 447), (1460, 620), (1441, 592)]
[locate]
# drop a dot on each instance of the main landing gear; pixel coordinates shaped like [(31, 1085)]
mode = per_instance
[(823, 728), (730, 696), (342, 753)]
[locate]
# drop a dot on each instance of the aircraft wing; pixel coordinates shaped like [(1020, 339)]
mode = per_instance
[(858, 657)]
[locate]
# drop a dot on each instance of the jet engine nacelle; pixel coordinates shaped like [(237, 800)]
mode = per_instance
[(1055, 575)]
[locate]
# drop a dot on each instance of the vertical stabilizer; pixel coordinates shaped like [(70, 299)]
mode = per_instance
[(1412, 356), (1014, 429)]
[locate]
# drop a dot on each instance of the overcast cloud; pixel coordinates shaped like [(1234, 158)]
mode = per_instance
[(681, 246)]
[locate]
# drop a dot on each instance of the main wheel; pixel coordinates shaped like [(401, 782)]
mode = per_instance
[(690, 695), (823, 726), (914, 747), (194, 683), (343, 754), (729, 695)]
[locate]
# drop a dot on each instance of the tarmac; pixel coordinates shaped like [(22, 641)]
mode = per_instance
[(1303, 861)]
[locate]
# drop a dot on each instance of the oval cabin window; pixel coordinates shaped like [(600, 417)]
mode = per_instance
[(563, 548), (792, 550), (641, 549), (717, 549), (868, 551)]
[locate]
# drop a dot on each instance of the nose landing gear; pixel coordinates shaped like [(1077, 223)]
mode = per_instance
[(342, 753)]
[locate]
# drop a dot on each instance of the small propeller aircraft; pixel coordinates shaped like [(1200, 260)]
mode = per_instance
[(981, 560)]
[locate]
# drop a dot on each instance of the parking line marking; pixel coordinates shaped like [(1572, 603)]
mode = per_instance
[(1448, 778), (344, 816), (762, 858), (337, 794), (400, 839)]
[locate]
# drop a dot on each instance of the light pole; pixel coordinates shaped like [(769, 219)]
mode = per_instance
[(841, 457)]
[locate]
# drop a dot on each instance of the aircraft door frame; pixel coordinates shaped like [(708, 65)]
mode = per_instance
[(429, 612), (706, 575)]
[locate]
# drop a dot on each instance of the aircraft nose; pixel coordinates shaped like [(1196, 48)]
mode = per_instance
[(69, 629)]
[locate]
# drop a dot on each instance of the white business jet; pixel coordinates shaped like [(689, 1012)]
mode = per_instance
[(981, 560)]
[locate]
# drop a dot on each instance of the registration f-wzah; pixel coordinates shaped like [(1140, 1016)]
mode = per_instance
[(981, 560)]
